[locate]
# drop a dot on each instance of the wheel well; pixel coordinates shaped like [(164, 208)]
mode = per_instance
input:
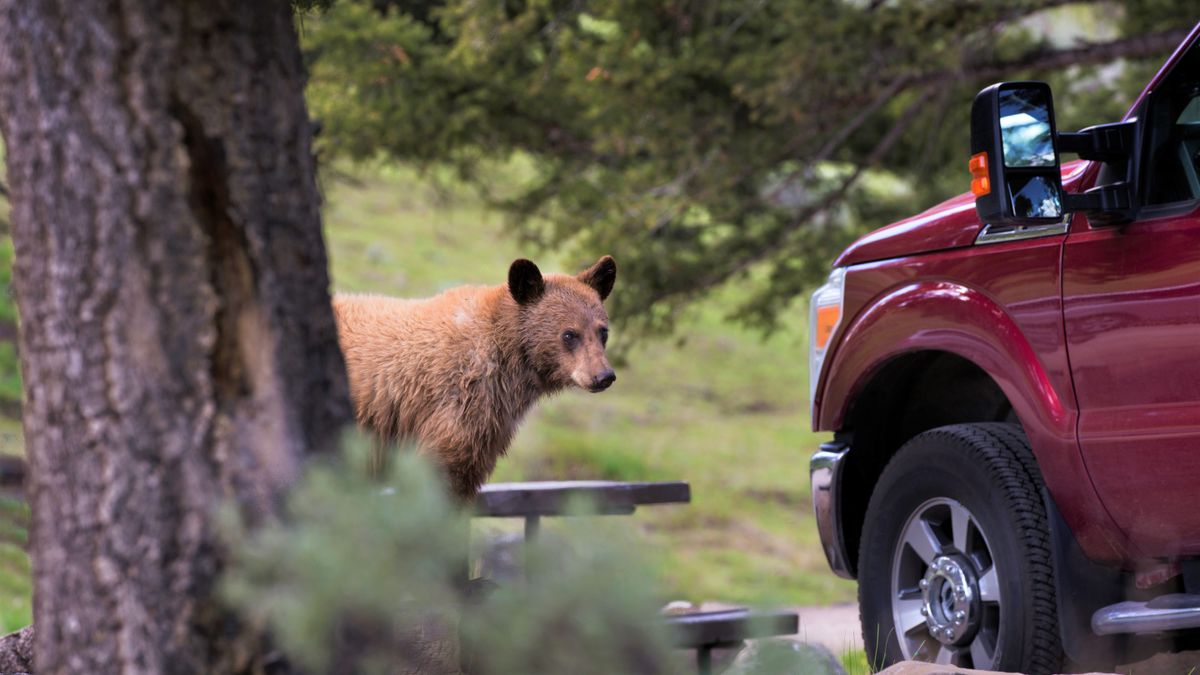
[(913, 393)]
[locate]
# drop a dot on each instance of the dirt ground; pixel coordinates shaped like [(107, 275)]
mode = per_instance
[(834, 626)]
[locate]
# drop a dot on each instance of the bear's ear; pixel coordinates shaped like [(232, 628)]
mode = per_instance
[(601, 276), (525, 282)]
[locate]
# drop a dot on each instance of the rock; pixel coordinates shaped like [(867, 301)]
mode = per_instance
[(918, 668), (16, 651), (677, 607), (785, 657)]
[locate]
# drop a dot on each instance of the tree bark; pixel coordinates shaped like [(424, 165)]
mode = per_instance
[(177, 342)]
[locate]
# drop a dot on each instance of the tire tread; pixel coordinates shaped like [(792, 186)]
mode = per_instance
[(1004, 452)]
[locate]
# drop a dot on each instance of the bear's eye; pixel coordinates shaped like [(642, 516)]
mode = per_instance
[(604, 336), (569, 338)]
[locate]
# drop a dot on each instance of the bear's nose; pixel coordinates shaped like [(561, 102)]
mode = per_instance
[(603, 380)]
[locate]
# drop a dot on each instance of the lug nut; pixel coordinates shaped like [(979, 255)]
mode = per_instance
[(924, 610), (924, 584)]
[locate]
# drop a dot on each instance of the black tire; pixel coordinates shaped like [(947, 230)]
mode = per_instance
[(988, 575)]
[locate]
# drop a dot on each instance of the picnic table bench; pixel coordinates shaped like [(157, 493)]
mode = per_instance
[(706, 631), (701, 631)]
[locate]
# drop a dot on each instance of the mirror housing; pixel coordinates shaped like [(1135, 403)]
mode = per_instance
[(1015, 166), (1014, 155)]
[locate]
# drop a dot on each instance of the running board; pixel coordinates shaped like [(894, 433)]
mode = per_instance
[(1178, 611)]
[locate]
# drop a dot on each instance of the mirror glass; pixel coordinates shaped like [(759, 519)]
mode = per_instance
[(1025, 128), (1034, 196)]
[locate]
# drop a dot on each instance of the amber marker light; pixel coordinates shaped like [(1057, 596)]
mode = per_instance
[(827, 319), (980, 183), (825, 312)]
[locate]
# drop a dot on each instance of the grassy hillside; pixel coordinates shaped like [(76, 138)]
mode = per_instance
[(718, 407)]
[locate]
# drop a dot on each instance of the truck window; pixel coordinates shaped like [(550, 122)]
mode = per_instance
[(1174, 135)]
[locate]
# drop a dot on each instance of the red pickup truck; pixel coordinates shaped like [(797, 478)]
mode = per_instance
[(1012, 379)]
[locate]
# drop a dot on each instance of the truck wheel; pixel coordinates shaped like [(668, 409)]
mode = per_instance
[(955, 565)]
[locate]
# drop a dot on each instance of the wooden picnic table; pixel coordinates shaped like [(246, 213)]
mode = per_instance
[(702, 631)]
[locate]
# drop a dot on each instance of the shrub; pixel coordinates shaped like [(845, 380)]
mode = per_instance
[(371, 578)]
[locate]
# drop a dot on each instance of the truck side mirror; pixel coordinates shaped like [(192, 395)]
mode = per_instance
[(1014, 155)]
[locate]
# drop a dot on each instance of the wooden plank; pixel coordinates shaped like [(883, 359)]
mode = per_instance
[(552, 498), (12, 477)]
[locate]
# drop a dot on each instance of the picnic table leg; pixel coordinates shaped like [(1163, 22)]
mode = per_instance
[(532, 526), (704, 660)]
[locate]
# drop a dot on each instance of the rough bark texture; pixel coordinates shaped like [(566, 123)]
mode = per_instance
[(16, 652), (177, 342)]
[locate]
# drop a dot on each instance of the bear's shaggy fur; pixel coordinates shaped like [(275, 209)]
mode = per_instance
[(456, 373)]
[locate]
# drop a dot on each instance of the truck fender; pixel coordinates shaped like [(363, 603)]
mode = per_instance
[(947, 316)]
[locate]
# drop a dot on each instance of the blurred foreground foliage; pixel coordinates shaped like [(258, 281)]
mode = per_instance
[(363, 579), (704, 142)]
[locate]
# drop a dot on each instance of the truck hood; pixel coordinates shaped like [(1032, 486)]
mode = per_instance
[(951, 224)]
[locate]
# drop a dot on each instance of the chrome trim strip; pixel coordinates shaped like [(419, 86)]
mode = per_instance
[(995, 234), (1165, 613), (825, 474)]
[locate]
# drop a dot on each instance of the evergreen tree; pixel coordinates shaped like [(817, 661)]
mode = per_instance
[(700, 142)]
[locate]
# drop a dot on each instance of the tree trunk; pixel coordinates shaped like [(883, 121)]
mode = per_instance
[(177, 342)]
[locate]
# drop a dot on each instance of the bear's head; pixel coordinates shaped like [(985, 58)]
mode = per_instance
[(564, 328)]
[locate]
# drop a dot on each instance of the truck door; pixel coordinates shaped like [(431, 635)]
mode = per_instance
[(1131, 300)]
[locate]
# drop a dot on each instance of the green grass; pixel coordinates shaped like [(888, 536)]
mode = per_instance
[(855, 662), (12, 438), (721, 409), (15, 592)]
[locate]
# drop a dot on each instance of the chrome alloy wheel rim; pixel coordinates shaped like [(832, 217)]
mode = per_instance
[(945, 590)]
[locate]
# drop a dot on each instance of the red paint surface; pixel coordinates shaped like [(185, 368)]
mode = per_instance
[(951, 224), (1132, 312)]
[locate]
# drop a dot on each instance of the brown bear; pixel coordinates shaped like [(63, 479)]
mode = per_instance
[(456, 373)]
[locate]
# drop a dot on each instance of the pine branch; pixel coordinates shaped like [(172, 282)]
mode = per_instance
[(1142, 46), (838, 139), (1134, 47), (774, 243)]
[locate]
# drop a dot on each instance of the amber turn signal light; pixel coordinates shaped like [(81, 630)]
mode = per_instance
[(980, 183), (827, 319)]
